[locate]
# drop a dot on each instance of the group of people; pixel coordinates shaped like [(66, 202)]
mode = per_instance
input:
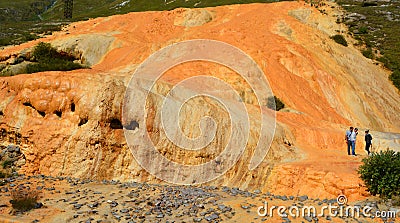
[(351, 136)]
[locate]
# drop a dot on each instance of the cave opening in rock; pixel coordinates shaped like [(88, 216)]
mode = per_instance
[(41, 113), (116, 124), (1, 113), (83, 121), (28, 104), (73, 107), (58, 113)]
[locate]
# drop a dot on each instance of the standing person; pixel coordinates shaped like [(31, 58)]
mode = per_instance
[(347, 138), (353, 137), (368, 141)]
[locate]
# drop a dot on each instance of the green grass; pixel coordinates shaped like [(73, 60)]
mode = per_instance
[(23, 31), (23, 10)]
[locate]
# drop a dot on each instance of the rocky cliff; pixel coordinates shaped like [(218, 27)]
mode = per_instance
[(70, 124)]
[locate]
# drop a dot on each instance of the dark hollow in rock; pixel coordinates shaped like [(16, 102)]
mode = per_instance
[(116, 124), (41, 113), (58, 113), (83, 121), (28, 104), (73, 107)]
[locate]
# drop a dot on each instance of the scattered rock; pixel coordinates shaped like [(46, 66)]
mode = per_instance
[(78, 206), (303, 198), (38, 205), (244, 206), (211, 217), (124, 210), (308, 218)]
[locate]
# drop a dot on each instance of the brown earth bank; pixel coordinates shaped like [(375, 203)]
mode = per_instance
[(70, 124)]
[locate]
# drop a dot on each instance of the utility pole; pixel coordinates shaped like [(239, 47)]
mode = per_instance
[(68, 5)]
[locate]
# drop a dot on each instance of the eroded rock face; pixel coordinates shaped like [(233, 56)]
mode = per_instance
[(72, 126), (69, 123), (87, 49), (193, 17)]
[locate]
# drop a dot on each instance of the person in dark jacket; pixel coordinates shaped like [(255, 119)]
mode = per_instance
[(368, 141)]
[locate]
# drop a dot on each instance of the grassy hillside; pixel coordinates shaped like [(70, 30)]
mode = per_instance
[(20, 20), (23, 10), (24, 20), (376, 25), (84, 9)]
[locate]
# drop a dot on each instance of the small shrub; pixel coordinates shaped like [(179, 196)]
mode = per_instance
[(44, 52), (7, 163), (363, 30), (54, 64), (30, 36), (368, 43), (2, 175), (339, 39), (381, 173), (396, 201), (368, 53), (275, 103), (49, 59), (367, 4), (395, 78), (24, 199), (384, 60)]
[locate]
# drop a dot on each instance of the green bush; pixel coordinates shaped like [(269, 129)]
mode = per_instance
[(7, 163), (395, 78), (49, 59), (363, 30), (381, 173), (30, 37), (339, 39), (2, 175), (54, 64), (275, 103), (367, 4), (368, 53), (44, 52)]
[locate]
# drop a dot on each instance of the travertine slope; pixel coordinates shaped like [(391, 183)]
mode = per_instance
[(69, 123)]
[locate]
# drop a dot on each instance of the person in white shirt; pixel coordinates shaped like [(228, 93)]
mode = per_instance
[(347, 139), (352, 140)]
